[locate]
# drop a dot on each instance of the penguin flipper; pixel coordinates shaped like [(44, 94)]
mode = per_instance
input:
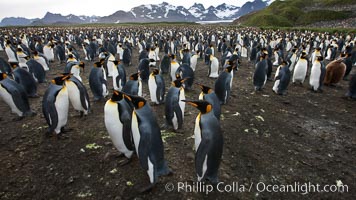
[(201, 159), (179, 114), (50, 113)]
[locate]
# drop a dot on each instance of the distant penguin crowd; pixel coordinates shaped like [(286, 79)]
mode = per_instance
[(174, 54)]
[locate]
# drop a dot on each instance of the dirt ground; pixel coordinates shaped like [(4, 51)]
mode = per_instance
[(303, 137)]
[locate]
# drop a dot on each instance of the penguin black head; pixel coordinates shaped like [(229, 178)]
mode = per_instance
[(135, 76), (82, 64), (137, 101), (178, 83), (205, 89), (117, 96), (155, 71), (19, 49), (178, 76), (116, 62), (59, 80), (97, 64), (70, 56), (229, 68), (173, 56), (35, 53), (2, 76), (203, 106), (304, 55), (14, 65), (319, 58)]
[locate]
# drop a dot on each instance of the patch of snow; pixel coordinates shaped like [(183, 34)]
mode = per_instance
[(134, 14)]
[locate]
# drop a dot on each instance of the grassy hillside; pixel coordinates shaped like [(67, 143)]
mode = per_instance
[(289, 13)]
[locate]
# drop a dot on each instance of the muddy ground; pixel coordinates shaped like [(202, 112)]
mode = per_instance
[(303, 137)]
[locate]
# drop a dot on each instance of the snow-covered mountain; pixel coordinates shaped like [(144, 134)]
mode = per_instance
[(150, 13)]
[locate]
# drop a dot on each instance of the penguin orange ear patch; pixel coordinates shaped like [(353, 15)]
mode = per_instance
[(141, 104), (208, 108)]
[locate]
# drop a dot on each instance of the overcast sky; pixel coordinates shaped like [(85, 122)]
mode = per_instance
[(38, 8)]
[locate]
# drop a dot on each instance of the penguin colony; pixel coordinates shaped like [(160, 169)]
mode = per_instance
[(169, 55)]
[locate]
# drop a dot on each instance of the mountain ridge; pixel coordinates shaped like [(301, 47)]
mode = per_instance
[(163, 12)]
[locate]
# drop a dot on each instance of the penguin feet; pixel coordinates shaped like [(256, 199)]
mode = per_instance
[(146, 188), (124, 162), (65, 130), (60, 136), (16, 119)]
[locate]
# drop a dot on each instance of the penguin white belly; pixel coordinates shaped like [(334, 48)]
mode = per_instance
[(152, 86), (62, 105), (139, 89), (115, 127), (300, 71), (193, 62), (105, 91), (275, 86), (291, 67), (43, 63), (182, 103), (74, 96), (76, 72), (135, 131), (277, 72), (197, 133), (205, 167), (7, 97), (10, 54), (328, 54), (110, 66), (214, 68), (175, 121), (174, 68), (115, 74), (276, 57), (314, 80), (244, 52)]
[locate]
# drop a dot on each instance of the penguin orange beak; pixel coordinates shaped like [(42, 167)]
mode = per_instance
[(127, 97)]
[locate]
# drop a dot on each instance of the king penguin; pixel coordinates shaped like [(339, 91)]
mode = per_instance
[(117, 117), (165, 64), (209, 95), (74, 68), (174, 106), (144, 69), (208, 142), (26, 80), (156, 87), (11, 52), (260, 75), (174, 67), (78, 94), (317, 74), (282, 79), (36, 69), (5, 67), (301, 68), (118, 75), (40, 58), (194, 60), (15, 96), (214, 67), (97, 82), (134, 85), (186, 72), (147, 139), (55, 106), (335, 71), (223, 84)]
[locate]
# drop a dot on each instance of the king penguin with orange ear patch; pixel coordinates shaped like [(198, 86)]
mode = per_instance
[(15, 96), (174, 106), (147, 139), (78, 94), (117, 117), (134, 85), (97, 82), (55, 106), (208, 142), (209, 95), (156, 87)]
